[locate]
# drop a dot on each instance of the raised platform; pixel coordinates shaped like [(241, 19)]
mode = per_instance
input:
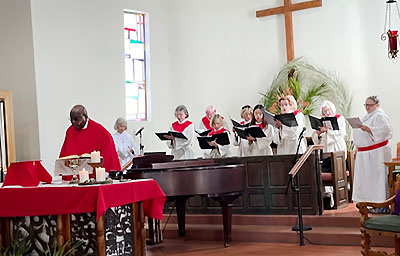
[(335, 227)]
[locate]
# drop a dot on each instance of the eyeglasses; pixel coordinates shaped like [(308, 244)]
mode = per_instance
[(369, 105)]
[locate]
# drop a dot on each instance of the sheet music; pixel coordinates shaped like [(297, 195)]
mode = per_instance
[(270, 118), (354, 122)]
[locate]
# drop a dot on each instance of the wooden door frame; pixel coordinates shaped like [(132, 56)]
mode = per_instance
[(7, 97)]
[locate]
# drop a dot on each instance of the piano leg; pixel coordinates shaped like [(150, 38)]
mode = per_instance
[(226, 203), (180, 213)]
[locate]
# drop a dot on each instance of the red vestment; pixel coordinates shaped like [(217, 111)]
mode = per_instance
[(94, 137)]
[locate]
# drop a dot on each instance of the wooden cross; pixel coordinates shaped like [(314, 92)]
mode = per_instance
[(287, 9)]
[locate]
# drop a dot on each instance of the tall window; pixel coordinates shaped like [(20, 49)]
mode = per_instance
[(135, 66)]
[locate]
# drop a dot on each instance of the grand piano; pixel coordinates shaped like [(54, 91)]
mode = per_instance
[(182, 179)]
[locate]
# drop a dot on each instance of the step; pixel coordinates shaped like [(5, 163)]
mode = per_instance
[(273, 220), (275, 234)]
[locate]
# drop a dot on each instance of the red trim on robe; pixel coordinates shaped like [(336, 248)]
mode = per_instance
[(242, 123), (296, 112), (261, 126), (206, 122), (180, 127), (337, 116), (217, 132)]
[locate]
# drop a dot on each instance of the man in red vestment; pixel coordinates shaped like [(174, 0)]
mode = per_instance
[(85, 136)]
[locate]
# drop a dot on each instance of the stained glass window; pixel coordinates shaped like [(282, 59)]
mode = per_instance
[(135, 66)]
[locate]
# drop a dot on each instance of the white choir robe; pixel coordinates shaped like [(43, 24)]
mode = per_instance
[(333, 140), (181, 148), (241, 143), (262, 146), (220, 151), (123, 143), (287, 137), (243, 146), (370, 174)]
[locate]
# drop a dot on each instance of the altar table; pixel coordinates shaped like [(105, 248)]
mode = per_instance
[(145, 196)]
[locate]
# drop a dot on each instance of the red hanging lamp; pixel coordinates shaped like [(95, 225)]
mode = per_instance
[(392, 35)]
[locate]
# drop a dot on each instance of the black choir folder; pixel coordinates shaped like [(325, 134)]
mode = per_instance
[(317, 123), (255, 131), (236, 124), (205, 133), (288, 119), (221, 139), (171, 133)]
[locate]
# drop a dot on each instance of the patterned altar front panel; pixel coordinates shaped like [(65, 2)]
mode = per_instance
[(118, 224), (83, 228), (42, 230)]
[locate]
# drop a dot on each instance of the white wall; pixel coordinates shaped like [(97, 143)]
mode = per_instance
[(202, 52), (17, 74)]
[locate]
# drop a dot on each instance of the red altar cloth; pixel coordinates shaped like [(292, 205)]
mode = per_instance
[(67, 199)]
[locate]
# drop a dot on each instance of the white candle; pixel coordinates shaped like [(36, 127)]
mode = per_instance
[(95, 157), (83, 175), (100, 174)]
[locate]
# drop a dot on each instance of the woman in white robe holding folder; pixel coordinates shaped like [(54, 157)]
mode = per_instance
[(373, 149), (260, 146), (217, 124), (287, 138), (332, 140), (247, 115), (181, 148)]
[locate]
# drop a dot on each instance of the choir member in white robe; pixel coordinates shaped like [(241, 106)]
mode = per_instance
[(247, 115), (260, 146), (124, 143), (332, 140), (217, 124), (287, 138), (373, 149), (205, 123), (181, 148)]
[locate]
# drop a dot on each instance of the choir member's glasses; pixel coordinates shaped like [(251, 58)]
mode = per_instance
[(369, 105)]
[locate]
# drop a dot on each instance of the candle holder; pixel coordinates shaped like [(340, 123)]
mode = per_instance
[(73, 164)]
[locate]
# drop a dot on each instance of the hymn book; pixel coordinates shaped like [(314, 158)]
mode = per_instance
[(84, 155), (288, 119), (254, 131), (236, 124), (354, 122), (220, 138), (171, 133), (329, 122), (205, 133)]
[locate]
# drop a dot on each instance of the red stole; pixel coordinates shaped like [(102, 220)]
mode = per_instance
[(206, 122), (337, 116), (180, 127), (261, 126), (296, 112), (217, 132)]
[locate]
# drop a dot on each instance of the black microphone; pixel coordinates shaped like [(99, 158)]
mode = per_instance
[(302, 132), (138, 132)]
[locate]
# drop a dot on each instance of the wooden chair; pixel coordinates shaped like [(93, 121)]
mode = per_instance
[(337, 178), (386, 225)]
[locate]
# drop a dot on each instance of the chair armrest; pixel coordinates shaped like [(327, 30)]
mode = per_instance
[(362, 208)]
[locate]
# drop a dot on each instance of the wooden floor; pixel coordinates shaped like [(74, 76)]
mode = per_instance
[(204, 248)]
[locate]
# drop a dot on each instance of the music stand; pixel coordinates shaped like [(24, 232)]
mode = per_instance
[(296, 187)]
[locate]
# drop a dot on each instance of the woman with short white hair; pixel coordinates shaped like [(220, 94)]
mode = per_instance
[(332, 140), (124, 143)]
